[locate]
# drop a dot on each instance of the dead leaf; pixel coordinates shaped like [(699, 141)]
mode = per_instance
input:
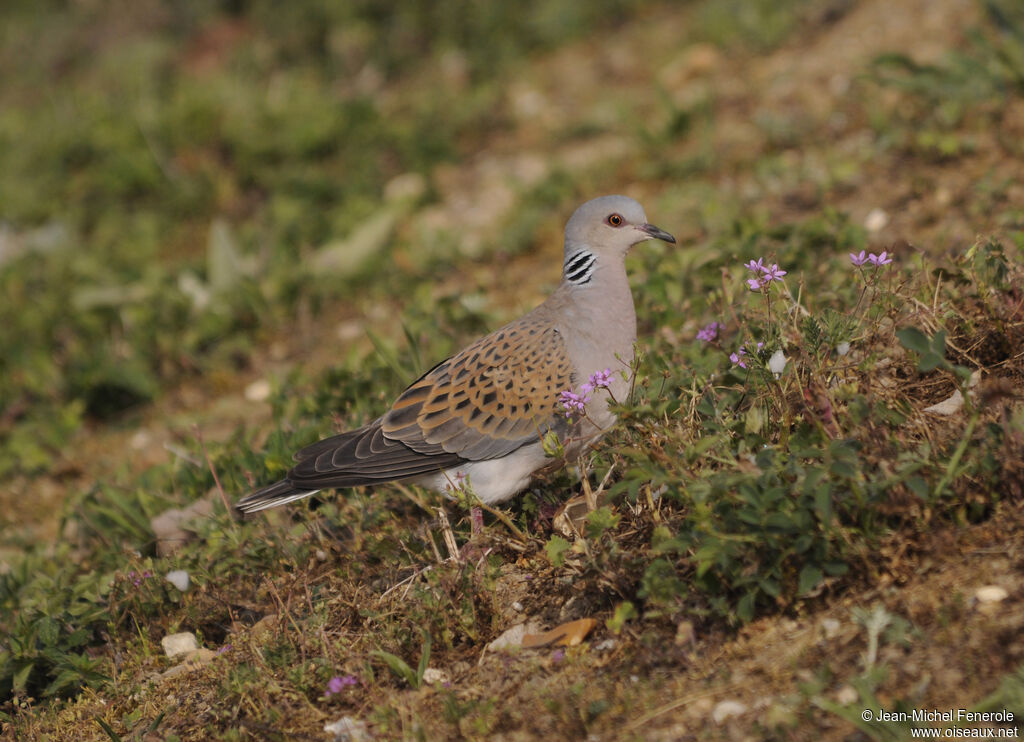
[(567, 635)]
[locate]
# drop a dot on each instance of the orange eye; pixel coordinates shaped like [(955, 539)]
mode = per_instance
[(615, 220)]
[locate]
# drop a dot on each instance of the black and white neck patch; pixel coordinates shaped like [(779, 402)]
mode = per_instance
[(579, 267)]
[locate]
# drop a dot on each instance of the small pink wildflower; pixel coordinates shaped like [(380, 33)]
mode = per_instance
[(859, 258), (755, 266), (737, 358), (572, 402), (601, 379), (754, 284), (709, 332), (338, 684), (458, 482), (772, 273), (882, 259)]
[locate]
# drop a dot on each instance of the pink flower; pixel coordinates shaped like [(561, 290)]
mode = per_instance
[(754, 284), (755, 266), (882, 259), (338, 684), (737, 358), (709, 332), (572, 402), (601, 379), (858, 258), (773, 273)]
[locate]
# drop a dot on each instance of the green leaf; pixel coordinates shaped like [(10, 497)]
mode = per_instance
[(810, 576), (398, 666), (624, 612), (424, 659), (108, 729), (22, 674), (914, 339), (555, 549), (48, 631), (600, 521)]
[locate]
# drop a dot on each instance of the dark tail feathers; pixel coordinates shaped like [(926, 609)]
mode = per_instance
[(271, 496)]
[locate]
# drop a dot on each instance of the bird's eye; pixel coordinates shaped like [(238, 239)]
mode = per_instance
[(615, 220)]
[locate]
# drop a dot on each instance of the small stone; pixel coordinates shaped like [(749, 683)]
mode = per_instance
[(605, 646), (685, 633), (725, 710), (174, 527), (843, 348), (179, 578), (991, 594), (948, 406), (830, 627), (517, 606), (179, 644), (258, 391), (141, 440), (876, 220), (432, 675), (321, 555), (192, 661), (847, 695), (513, 638), (347, 729), (777, 363)]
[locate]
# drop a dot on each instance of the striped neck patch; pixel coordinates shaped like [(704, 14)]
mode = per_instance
[(579, 267)]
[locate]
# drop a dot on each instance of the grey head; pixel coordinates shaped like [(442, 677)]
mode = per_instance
[(604, 229)]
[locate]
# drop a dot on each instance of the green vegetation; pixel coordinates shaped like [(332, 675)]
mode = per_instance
[(166, 205)]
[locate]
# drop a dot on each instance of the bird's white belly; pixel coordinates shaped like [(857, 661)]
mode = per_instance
[(495, 480)]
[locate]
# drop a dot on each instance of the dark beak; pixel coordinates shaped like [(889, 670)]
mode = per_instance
[(658, 234)]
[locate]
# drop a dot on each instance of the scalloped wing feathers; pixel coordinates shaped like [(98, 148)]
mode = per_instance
[(491, 398)]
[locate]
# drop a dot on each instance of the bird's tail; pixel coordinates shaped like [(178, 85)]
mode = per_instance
[(271, 496)]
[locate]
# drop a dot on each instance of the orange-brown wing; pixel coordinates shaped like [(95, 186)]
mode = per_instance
[(498, 394)]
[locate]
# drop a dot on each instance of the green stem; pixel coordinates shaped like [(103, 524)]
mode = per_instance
[(958, 454)]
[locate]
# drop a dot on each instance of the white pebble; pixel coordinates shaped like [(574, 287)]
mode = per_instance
[(843, 348), (991, 594), (876, 220), (517, 606), (726, 710), (179, 578), (947, 406), (830, 627), (847, 695), (432, 675), (258, 391), (349, 729), (178, 644)]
